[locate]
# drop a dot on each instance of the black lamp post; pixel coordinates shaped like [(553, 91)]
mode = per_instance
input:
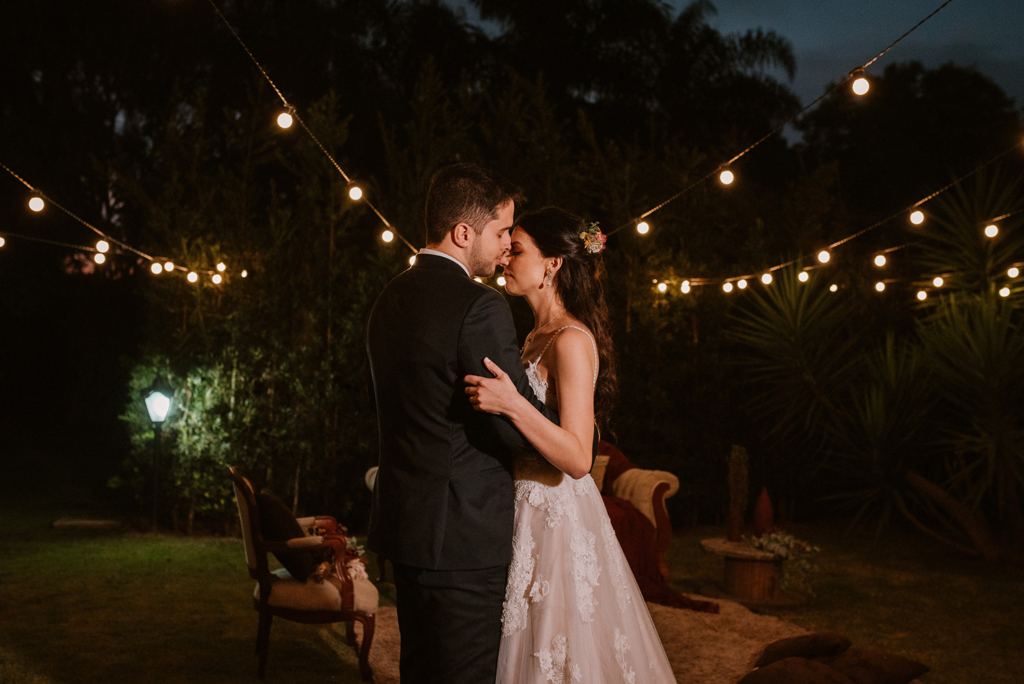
[(158, 398)]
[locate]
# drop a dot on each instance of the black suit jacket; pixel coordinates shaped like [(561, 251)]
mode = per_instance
[(444, 498)]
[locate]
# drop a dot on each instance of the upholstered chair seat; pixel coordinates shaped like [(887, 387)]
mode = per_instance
[(288, 592)]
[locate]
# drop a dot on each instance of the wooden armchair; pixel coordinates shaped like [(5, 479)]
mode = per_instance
[(279, 594)]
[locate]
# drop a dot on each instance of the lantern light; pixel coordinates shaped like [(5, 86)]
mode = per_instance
[(245, 274), (193, 277), (727, 287), (1005, 292), (726, 176), (917, 218), (880, 260), (922, 295), (991, 230), (355, 193), (1013, 272), (158, 398), (168, 266), (861, 85), (880, 286), (803, 277), (99, 258), (938, 281), (387, 236), (284, 120), (216, 279), (501, 281), (643, 227), (685, 288), (766, 279), (102, 246), (742, 284), (156, 268), (221, 267), (824, 256), (36, 204), (834, 288)]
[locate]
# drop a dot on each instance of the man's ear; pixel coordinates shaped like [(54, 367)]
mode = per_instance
[(461, 235)]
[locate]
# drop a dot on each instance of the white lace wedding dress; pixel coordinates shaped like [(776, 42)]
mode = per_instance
[(573, 612)]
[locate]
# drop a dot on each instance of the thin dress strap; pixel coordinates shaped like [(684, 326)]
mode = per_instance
[(574, 327)]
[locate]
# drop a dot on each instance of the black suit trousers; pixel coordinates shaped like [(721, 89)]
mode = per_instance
[(450, 622)]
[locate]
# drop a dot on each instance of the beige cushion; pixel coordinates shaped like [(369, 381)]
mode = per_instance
[(287, 592), (637, 487), (597, 472)]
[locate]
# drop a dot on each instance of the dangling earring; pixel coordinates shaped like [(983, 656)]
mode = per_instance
[(547, 281)]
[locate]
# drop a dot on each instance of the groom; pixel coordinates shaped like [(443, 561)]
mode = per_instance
[(443, 502)]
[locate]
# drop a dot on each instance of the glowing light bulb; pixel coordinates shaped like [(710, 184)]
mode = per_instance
[(742, 284), (685, 288), (284, 120), (355, 193), (991, 231), (861, 86), (824, 256), (727, 287), (662, 287), (727, 177), (1005, 292), (922, 295), (99, 258), (412, 260), (642, 227), (834, 288), (766, 279), (917, 218), (193, 277), (221, 267), (387, 236), (156, 268), (938, 281), (216, 279), (168, 266), (501, 281), (880, 286), (478, 280), (1013, 272), (36, 204), (245, 274), (2, 242), (102, 246), (880, 261), (803, 277)]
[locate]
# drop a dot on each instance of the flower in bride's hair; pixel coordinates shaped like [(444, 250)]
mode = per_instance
[(593, 239)]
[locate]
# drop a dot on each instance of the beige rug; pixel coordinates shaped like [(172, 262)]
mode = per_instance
[(703, 648)]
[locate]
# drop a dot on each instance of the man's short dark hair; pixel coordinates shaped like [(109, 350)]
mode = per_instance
[(465, 193)]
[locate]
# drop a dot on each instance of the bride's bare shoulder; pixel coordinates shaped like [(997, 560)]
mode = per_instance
[(574, 343)]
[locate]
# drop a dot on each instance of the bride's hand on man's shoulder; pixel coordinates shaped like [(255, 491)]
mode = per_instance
[(492, 395)]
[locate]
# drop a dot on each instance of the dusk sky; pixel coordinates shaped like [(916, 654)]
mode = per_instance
[(830, 37)]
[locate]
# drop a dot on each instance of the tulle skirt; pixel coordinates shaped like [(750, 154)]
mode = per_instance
[(573, 612)]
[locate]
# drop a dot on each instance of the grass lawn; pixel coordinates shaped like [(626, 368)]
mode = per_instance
[(961, 617), (162, 608)]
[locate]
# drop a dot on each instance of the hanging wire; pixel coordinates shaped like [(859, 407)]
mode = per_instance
[(902, 212), (31, 238), (781, 126), (85, 223), (291, 110)]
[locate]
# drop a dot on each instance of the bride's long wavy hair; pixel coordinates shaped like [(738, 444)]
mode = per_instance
[(578, 283)]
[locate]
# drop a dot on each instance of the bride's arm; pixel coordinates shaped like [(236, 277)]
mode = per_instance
[(569, 447)]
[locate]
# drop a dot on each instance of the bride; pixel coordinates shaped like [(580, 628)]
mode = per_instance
[(573, 612)]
